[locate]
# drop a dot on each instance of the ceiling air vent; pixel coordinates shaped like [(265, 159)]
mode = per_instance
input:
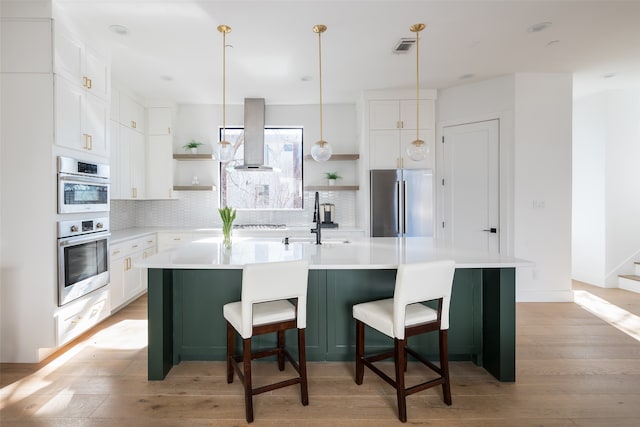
[(404, 45)]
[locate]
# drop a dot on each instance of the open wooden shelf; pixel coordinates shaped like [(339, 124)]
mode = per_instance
[(331, 187), (193, 156), (337, 157), (193, 188)]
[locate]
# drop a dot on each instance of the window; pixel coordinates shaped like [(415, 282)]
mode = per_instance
[(264, 190)]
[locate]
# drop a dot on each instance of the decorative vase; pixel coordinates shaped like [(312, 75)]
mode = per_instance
[(194, 150), (332, 182), (226, 239), (227, 214)]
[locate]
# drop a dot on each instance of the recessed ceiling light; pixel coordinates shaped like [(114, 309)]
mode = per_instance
[(540, 26), (553, 43), (166, 78), (306, 78), (467, 76), (119, 29), (609, 75)]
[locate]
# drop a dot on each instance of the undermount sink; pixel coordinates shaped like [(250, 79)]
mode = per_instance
[(312, 240)]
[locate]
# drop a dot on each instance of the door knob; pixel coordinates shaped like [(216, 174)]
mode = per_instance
[(491, 230)]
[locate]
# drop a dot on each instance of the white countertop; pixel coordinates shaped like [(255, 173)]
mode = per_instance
[(361, 253)]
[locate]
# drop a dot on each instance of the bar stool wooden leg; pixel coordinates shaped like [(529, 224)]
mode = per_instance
[(400, 356), (444, 365), (231, 334), (359, 352), (248, 391), (302, 364), (281, 340)]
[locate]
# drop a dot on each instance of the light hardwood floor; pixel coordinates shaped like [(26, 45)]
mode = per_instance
[(573, 369)]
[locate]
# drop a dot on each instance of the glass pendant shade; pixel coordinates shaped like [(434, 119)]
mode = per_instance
[(321, 151), (417, 150), (225, 151)]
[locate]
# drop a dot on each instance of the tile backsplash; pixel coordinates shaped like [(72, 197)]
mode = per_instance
[(200, 210)]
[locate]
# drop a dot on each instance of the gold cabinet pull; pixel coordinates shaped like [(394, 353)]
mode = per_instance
[(115, 253), (85, 81), (89, 84), (90, 137), (133, 124), (168, 131), (134, 192)]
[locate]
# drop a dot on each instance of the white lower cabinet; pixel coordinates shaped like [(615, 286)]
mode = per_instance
[(126, 281), (80, 315)]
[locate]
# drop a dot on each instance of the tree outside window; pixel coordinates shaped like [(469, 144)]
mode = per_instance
[(264, 190)]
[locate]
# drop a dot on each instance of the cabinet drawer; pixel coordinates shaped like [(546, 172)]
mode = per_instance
[(118, 250), (80, 315)]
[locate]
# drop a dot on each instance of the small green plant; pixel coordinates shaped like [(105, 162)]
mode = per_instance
[(332, 175), (191, 144)]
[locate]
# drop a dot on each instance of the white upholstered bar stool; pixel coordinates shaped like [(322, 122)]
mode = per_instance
[(264, 308), (404, 316)]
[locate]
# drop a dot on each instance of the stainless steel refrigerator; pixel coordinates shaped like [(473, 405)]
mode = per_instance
[(401, 203)]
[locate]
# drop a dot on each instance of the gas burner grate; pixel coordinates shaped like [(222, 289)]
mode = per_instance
[(260, 226)]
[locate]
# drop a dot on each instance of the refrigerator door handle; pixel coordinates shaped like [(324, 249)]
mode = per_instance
[(404, 206), (398, 230)]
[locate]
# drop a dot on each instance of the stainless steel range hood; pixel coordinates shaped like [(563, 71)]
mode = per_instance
[(254, 136)]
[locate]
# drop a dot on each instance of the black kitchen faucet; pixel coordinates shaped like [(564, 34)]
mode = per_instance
[(316, 219)]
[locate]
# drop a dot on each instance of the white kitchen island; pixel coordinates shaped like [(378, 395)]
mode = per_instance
[(189, 285)]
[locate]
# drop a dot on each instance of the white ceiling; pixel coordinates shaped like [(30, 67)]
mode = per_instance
[(274, 46)]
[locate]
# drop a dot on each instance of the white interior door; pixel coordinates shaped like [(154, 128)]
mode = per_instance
[(471, 218)]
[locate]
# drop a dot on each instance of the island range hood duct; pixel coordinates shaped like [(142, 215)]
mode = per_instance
[(254, 136)]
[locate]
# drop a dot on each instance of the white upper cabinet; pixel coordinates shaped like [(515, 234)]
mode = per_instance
[(392, 127), (82, 87), (400, 114), (159, 121), (160, 163), (81, 119), (81, 65), (131, 113)]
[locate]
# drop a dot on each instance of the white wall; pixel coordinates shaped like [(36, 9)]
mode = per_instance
[(542, 202), (589, 198), (607, 147), (28, 292), (534, 111)]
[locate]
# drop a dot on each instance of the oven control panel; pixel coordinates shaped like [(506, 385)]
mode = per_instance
[(82, 226)]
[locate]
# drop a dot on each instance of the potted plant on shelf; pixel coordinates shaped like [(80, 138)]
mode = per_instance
[(332, 176), (192, 145)]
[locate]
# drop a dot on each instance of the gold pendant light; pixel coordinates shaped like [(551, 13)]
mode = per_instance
[(320, 151), (417, 150), (225, 148)]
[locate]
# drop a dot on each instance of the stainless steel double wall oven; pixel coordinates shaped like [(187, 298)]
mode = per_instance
[(83, 242)]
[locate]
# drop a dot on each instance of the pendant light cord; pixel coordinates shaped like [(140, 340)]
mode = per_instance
[(320, 66), (417, 86), (224, 86)]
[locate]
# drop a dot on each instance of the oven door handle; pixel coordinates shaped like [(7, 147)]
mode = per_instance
[(83, 179), (69, 241)]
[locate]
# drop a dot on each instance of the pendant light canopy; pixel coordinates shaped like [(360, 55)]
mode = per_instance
[(225, 148), (417, 150), (320, 151)]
